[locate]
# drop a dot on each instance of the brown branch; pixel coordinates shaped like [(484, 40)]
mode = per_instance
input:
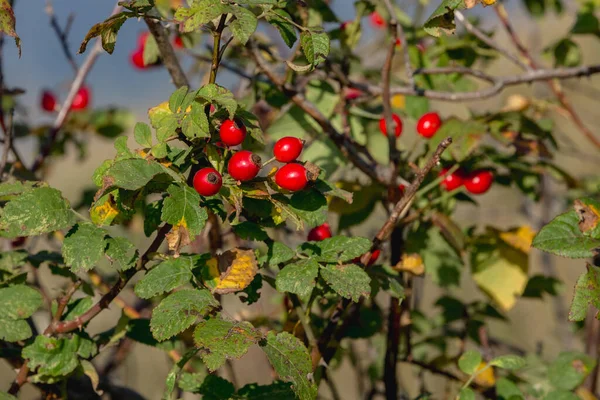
[(66, 106), (390, 363), (167, 53), (554, 85), (398, 33), (62, 304), (62, 34)]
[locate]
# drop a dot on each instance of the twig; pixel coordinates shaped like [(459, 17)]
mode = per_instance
[(391, 355), (554, 85), (62, 304), (62, 34), (398, 33), (390, 124), (166, 52), (66, 106), (8, 143)]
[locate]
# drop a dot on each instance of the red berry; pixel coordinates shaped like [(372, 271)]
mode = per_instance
[(48, 101), (374, 257), (344, 24), (82, 99), (479, 182), (178, 42), (244, 166), (319, 233), (351, 93), (137, 59), (208, 181), (232, 133), (452, 181), (429, 124), (287, 149), (377, 20), (398, 42), (401, 188), (398, 123), (292, 176)]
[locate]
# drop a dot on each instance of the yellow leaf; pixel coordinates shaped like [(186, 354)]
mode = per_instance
[(178, 237), (398, 101), (485, 378), (104, 211), (499, 269), (412, 263), (519, 238), (231, 271), (489, 2), (585, 394), (158, 112)]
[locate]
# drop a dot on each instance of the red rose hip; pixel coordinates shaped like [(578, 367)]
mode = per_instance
[(292, 177), (479, 182), (48, 101), (208, 181), (429, 124), (81, 99), (319, 233), (452, 181), (397, 122), (376, 20), (244, 165), (137, 59), (178, 42), (374, 257), (232, 133), (287, 149)]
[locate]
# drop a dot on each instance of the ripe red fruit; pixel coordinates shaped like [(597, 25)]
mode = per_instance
[(319, 233), (479, 182), (429, 124), (142, 37), (401, 188), (137, 59), (48, 101), (232, 133), (208, 181), (374, 257), (82, 99), (292, 177), (397, 121), (452, 181), (244, 166), (377, 20), (178, 42), (398, 42), (287, 149), (351, 93)]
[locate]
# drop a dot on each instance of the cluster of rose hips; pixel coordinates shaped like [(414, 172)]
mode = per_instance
[(137, 56), (49, 101), (322, 232), (427, 126), (476, 182), (245, 165)]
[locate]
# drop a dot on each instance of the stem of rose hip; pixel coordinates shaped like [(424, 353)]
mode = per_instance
[(269, 161)]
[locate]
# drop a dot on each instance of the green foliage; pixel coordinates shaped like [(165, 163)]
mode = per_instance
[(469, 361), (348, 281), (168, 275), (83, 246), (298, 278)]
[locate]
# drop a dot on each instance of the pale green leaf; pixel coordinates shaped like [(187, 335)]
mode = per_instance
[(244, 24), (349, 281), (469, 362), (19, 302), (83, 246), (299, 278), (562, 237), (182, 208), (14, 330), (168, 275), (54, 357)]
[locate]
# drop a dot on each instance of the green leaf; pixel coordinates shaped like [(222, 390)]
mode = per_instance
[(310, 205), (586, 23), (195, 124), (279, 19), (562, 237), (587, 292), (214, 93), (510, 362), (107, 30), (337, 249), (54, 357), (175, 371), (244, 24), (315, 46), (11, 260), (182, 209), (570, 369), (168, 275), (279, 253), (177, 98), (201, 12), (469, 361), (222, 340), (466, 394), (299, 278), (77, 307), (250, 231), (142, 134), (83, 246), (466, 136), (291, 361), (121, 253), (7, 22), (14, 330), (506, 389), (35, 212), (442, 19), (179, 311), (567, 53), (561, 395), (277, 390), (19, 302), (349, 281), (151, 53), (132, 174), (10, 189), (216, 388)]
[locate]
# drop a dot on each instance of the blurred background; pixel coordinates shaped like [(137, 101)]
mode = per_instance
[(534, 325)]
